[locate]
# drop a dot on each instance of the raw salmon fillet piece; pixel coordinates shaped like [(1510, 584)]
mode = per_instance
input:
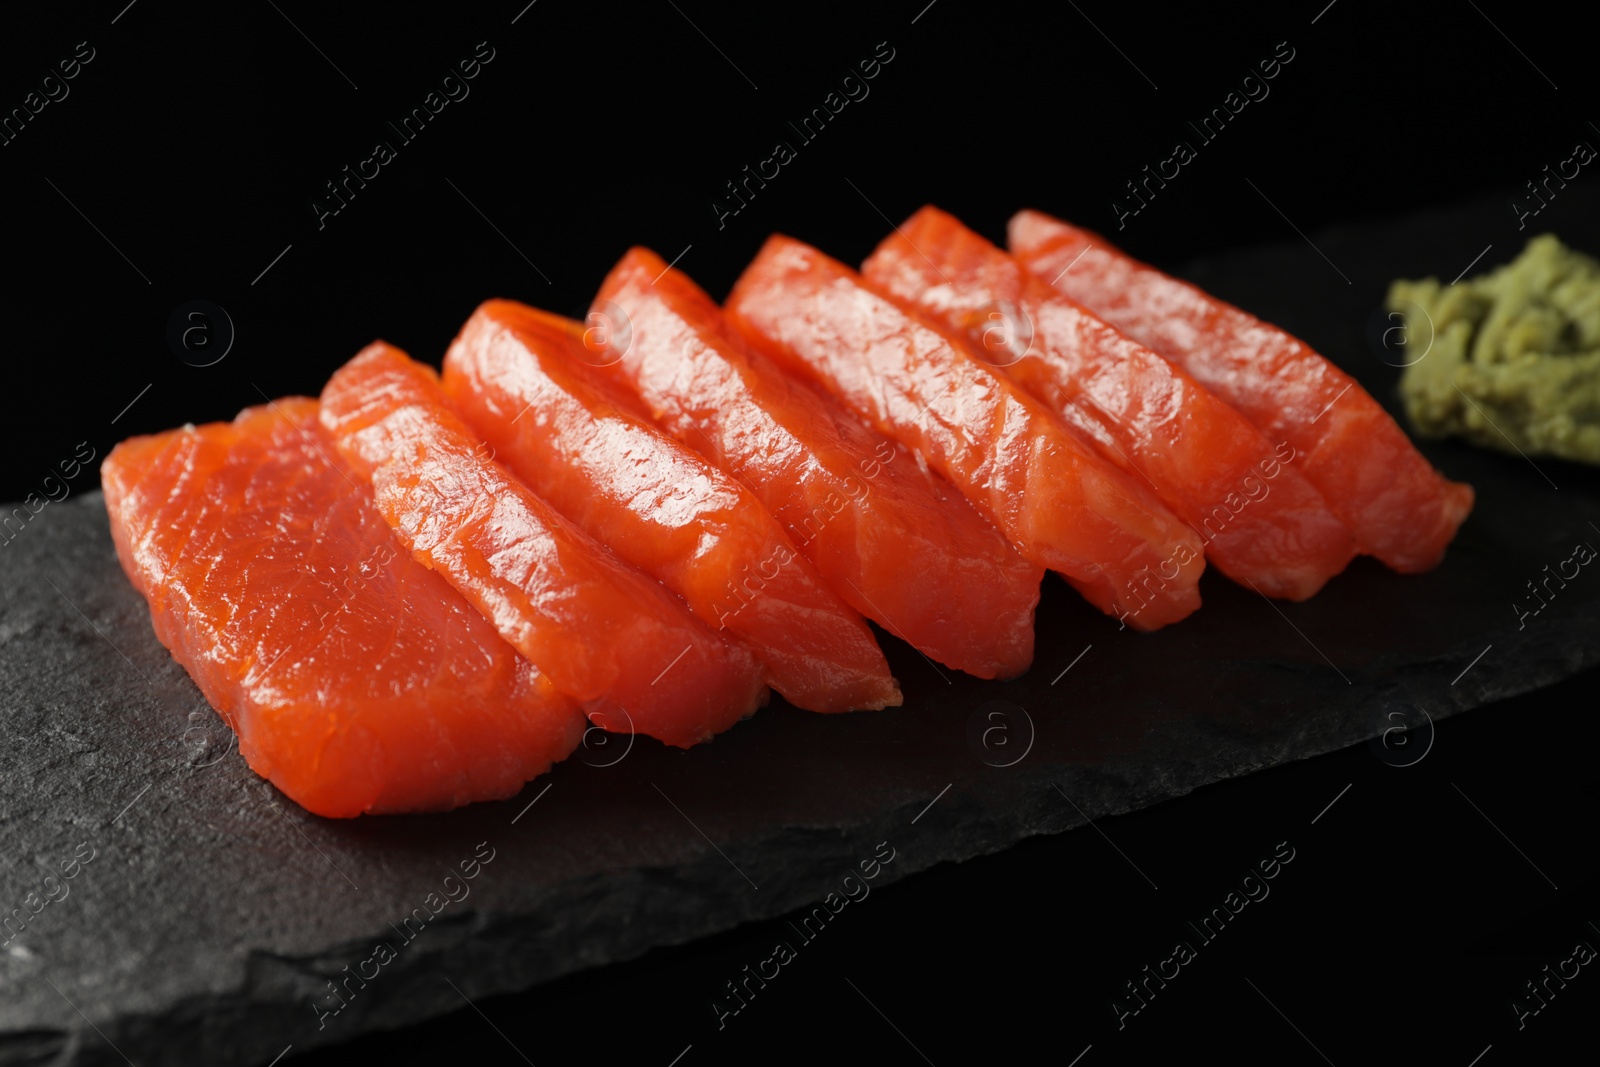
[(1263, 523), (523, 380), (1398, 507), (1041, 483), (876, 523), (602, 632), (357, 680)]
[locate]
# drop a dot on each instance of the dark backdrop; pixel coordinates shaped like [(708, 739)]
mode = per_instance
[(196, 140), (182, 161)]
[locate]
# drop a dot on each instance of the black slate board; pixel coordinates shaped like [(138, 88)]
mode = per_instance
[(214, 911)]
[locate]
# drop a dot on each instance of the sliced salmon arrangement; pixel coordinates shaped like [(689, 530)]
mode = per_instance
[(896, 541), (1396, 505), (417, 592), (522, 379), (1262, 521), (601, 631), (357, 679), (1040, 482)]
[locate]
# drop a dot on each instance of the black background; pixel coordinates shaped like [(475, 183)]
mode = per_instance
[(187, 154)]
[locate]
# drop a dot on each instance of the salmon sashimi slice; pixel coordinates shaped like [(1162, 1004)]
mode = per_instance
[(601, 631), (1399, 508), (523, 380), (1041, 483), (1263, 523), (357, 680), (894, 539)]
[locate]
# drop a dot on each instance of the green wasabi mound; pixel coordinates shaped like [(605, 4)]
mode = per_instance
[(1509, 359)]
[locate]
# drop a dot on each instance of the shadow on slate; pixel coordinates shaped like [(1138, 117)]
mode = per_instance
[(214, 912)]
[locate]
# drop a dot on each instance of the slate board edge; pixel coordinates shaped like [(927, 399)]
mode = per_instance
[(491, 954)]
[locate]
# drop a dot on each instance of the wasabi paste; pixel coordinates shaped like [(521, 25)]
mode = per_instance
[(1509, 359)]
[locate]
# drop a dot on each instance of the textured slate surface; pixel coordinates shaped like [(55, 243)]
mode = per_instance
[(213, 911)]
